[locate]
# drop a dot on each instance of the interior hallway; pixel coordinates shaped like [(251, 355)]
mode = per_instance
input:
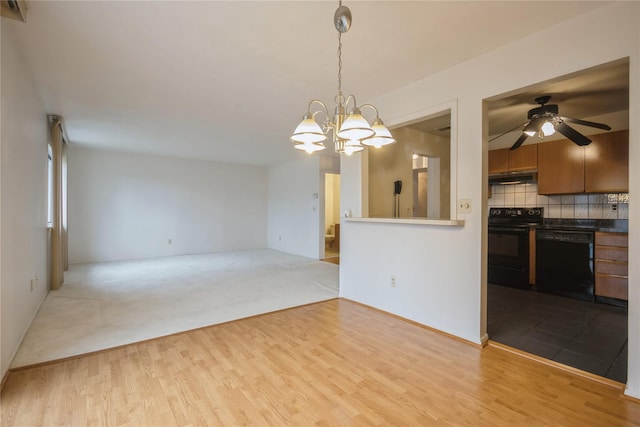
[(104, 305)]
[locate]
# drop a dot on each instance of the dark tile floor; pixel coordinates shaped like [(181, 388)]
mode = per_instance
[(588, 336)]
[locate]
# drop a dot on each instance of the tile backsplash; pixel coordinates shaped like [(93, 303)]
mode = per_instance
[(568, 206)]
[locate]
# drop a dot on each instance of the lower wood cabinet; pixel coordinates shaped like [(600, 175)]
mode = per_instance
[(611, 269)]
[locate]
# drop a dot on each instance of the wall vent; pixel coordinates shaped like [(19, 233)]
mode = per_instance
[(14, 9)]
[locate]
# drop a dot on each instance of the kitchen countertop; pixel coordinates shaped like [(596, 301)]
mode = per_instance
[(606, 225)]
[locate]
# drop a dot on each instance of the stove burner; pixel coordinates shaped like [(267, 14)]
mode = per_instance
[(515, 216)]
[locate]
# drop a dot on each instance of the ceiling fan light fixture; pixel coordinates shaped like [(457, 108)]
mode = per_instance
[(548, 129), (545, 120)]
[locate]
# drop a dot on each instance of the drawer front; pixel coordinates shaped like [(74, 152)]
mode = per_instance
[(612, 267), (612, 286), (612, 253), (612, 239)]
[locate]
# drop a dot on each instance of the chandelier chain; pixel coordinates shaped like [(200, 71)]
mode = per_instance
[(351, 132), (339, 62)]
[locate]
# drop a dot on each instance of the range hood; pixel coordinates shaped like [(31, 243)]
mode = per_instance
[(513, 178)]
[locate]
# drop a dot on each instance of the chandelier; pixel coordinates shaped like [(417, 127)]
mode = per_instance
[(350, 132)]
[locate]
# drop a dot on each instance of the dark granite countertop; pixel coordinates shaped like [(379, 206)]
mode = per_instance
[(607, 225)]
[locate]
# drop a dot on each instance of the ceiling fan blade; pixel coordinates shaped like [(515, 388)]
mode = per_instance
[(510, 130), (572, 134), (519, 142), (586, 123)]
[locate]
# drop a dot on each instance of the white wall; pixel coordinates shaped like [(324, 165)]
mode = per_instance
[(295, 203), (23, 198), (441, 272), (633, 373), (125, 206)]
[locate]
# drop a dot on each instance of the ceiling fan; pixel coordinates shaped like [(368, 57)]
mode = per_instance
[(545, 121)]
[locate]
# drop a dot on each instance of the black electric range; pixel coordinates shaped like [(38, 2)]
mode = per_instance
[(509, 261)]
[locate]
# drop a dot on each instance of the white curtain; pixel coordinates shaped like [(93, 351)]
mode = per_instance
[(59, 252)]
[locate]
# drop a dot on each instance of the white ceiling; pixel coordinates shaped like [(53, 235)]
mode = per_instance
[(229, 81)]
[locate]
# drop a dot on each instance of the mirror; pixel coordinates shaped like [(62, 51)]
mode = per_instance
[(421, 159)]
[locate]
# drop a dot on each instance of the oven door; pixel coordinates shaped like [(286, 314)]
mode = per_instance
[(508, 256)]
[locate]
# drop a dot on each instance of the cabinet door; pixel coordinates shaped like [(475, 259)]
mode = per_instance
[(607, 163), (524, 158), (611, 265), (612, 286), (560, 167), (498, 161)]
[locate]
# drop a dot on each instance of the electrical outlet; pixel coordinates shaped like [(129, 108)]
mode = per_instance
[(393, 281), (170, 241), (464, 205)]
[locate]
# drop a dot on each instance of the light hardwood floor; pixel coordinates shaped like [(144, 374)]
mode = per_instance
[(327, 364)]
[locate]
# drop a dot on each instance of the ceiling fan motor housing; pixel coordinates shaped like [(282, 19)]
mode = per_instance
[(541, 111)]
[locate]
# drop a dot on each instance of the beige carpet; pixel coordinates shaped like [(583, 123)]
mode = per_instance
[(104, 305)]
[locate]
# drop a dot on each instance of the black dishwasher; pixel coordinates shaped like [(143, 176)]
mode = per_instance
[(564, 263)]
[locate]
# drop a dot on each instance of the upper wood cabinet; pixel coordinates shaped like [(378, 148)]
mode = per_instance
[(506, 160), (524, 158), (600, 167), (606, 163), (560, 167), (498, 161)]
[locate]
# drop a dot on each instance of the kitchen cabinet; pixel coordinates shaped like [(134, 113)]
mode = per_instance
[(606, 163), (600, 167), (611, 265), (504, 160), (524, 158), (560, 167), (498, 161)]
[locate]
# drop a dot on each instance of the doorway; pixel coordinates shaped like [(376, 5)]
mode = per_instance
[(332, 217), (426, 186), (588, 335)]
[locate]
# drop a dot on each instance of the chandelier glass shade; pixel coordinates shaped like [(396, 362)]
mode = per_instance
[(350, 132)]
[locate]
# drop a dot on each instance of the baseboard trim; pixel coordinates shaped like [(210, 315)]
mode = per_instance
[(24, 333), (484, 340), (631, 398), (422, 325)]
